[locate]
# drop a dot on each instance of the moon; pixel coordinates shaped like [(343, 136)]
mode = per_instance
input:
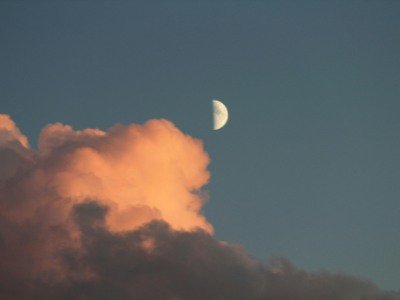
[(220, 114)]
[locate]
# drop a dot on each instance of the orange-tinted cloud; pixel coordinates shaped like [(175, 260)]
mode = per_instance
[(142, 172), (117, 215), (10, 134)]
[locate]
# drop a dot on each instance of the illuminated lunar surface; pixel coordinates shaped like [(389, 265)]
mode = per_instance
[(220, 114)]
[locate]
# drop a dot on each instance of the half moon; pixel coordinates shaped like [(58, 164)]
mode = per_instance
[(220, 114)]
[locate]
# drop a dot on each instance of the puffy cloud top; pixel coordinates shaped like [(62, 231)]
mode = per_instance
[(10, 134), (142, 172)]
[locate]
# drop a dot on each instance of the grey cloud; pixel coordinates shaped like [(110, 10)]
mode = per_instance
[(186, 265)]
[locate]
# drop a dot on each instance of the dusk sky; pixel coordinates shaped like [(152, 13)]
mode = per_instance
[(307, 167)]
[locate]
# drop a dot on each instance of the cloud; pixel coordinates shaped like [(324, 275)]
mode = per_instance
[(117, 215), (142, 173), (10, 134), (14, 148)]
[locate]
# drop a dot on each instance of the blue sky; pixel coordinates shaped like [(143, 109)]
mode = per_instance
[(308, 164)]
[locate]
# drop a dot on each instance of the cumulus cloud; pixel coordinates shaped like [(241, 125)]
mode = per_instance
[(14, 148), (10, 134), (142, 172), (117, 215)]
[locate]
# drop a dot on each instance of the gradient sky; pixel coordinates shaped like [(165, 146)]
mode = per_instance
[(308, 164)]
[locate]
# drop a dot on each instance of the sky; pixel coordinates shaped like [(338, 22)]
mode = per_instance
[(307, 166)]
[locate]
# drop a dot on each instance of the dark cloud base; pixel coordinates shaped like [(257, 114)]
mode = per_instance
[(176, 265)]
